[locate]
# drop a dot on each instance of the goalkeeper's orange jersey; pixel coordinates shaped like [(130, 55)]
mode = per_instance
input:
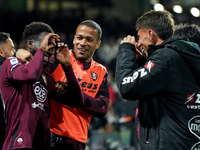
[(74, 122)]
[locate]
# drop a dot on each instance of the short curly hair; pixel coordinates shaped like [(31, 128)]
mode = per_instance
[(191, 31), (33, 30)]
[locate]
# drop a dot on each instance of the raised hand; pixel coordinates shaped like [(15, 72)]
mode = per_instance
[(131, 39), (62, 54), (48, 41)]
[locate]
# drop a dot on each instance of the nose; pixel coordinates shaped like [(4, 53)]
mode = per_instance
[(138, 44), (83, 42)]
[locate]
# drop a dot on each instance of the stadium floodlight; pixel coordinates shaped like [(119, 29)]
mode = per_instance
[(158, 6), (195, 12), (178, 9)]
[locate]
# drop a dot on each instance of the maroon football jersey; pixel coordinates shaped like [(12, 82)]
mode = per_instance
[(25, 93)]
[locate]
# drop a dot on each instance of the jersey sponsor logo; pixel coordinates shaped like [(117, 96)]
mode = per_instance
[(94, 76), (86, 86), (193, 101), (14, 61), (149, 65), (139, 73), (196, 146), (38, 105), (40, 92), (190, 98), (194, 126)]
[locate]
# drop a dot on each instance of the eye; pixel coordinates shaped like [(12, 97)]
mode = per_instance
[(89, 40), (79, 38)]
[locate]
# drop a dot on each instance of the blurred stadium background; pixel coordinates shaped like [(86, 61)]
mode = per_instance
[(117, 17)]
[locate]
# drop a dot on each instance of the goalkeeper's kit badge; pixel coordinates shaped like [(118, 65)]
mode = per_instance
[(94, 76)]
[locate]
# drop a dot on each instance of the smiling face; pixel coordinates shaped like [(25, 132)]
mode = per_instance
[(7, 48), (144, 40), (85, 43)]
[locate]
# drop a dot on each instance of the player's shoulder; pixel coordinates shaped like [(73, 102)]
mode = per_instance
[(98, 65), (12, 61)]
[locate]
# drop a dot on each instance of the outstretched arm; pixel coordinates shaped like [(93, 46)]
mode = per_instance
[(98, 106), (74, 96), (32, 71)]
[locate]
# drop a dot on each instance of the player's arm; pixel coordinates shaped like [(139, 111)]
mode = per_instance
[(135, 83), (32, 71), (98, 106), (74, 96), (24, 55)]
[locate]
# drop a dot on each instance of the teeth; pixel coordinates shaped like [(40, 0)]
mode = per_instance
[(82, 50)]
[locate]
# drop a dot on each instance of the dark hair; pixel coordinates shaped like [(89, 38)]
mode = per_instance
[(191, 31), (92, 24), (161, 22), (3, 37), (33, 30)]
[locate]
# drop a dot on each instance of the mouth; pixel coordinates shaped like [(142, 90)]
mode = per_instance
[(82, 51), (142, 50)]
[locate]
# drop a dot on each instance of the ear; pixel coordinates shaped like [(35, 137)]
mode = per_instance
[(98, 44), (150, 34), (1, 52), (29, 44), (153, 36)]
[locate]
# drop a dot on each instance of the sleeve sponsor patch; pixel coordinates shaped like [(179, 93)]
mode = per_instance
[(149, 65), (14, 61)]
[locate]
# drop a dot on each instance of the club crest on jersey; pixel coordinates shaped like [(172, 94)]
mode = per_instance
[(149, 65), (94, 76), (40, 92)]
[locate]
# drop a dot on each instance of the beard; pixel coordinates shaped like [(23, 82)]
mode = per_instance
[(47, 55), (36, 45)]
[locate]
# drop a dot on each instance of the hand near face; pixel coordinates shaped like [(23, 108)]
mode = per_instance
[(48, 41), (25, 55), (62, 54), (128, 39), (138, 52), (131, 39)]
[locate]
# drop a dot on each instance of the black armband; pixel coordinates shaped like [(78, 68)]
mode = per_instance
[(14, 55)]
